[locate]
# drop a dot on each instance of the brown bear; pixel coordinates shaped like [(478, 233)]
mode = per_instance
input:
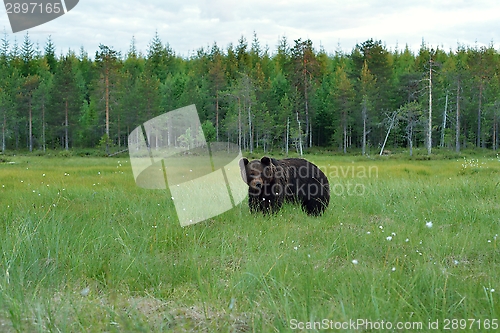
[(271, 182)]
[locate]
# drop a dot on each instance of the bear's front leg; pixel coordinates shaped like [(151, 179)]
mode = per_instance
[(265, 204)]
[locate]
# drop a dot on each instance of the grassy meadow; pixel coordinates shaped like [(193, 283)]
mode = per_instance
[(403, 242)]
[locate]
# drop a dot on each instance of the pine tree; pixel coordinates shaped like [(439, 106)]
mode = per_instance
[(42, 97), (161, 59), (217, 80), (50, 55), (4, 51), (28, 57), (107, 61), (379, 62), (66, 99), (304, 71), (367, 92), (25, 98), (344, 100)]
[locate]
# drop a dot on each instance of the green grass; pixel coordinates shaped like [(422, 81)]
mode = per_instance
[(83, 249)]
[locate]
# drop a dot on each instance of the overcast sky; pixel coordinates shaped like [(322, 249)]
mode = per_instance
[(187, 25)]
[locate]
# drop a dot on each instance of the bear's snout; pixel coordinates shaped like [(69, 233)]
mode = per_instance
[(256, 183), (272, 182)]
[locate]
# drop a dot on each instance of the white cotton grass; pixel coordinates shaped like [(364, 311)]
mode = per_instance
[(491, 290), (85, 291), (355, 262), (428, 224)]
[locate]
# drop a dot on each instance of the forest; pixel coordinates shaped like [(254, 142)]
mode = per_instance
[(294, 97)]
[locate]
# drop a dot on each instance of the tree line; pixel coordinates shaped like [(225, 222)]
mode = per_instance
[(292, 98)]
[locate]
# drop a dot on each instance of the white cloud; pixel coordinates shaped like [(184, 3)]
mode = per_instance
[(191, 24)]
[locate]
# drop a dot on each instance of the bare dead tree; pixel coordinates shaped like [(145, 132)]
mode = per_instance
[(443, 128), (457, 119), (429, 121), (410, 113), (391, 118)]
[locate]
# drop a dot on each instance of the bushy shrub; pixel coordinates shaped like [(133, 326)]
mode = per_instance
[(65, 153)]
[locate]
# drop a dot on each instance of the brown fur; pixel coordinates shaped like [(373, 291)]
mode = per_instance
[(271, 182)]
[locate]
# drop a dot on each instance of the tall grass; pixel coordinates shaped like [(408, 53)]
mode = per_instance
[(83, 249)]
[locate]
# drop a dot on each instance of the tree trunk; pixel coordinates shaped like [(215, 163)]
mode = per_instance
[(496, 113), (392, 120), (364, 136), (410, 139), (300, 134), (17, 134), (250, 131), (478, 139), (66, 145), (287, 134), (495, 131), (444, 120), (30, 126), (4, 126), (239, 123), (107, 109), (429, 124), (310, 134), (363, 113), (43, 126), (217, 114), (119, 138), (306, 103), (344, 132), (457, 120)]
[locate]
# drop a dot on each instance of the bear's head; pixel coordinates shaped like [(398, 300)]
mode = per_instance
[(258, 173)]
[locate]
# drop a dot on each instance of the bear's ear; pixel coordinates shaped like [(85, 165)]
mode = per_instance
[(265, 160), (243, 170)]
